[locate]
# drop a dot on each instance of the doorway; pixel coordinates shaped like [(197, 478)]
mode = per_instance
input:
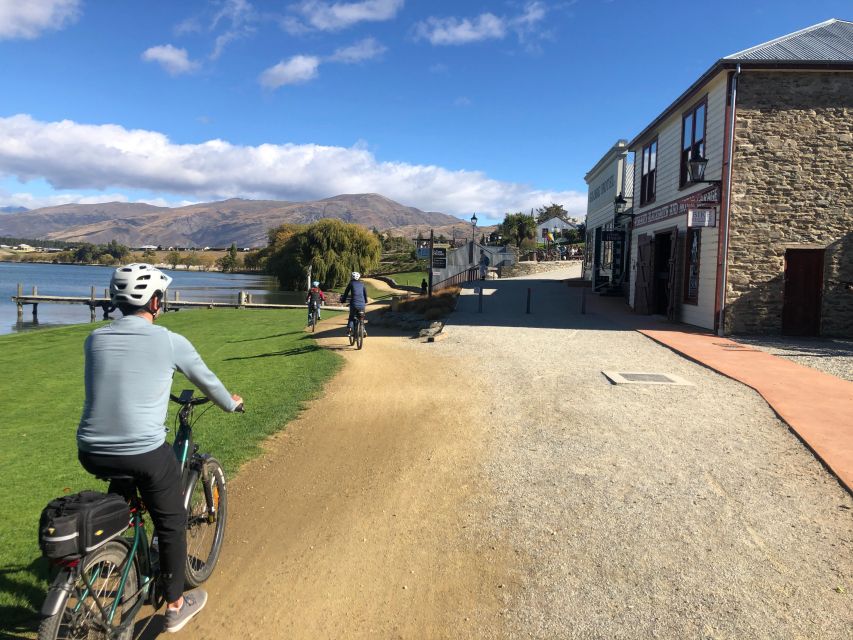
[(662, 268), (803, 292)]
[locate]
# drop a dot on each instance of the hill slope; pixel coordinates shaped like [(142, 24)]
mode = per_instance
[(244, 222)]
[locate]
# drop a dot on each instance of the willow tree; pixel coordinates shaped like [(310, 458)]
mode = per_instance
[(331, 248)]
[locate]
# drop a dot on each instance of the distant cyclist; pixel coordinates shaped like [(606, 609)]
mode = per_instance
[(314, 299), (357, 294), (128, 374)]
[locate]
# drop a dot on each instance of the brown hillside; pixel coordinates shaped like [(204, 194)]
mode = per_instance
[(244, 222)]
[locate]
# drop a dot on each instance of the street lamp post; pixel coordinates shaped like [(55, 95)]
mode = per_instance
[(473, 236)]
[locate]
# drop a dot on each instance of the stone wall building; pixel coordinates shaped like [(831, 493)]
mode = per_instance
[(743, 208)]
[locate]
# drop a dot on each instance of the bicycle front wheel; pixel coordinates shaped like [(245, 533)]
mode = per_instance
[(82, 614), (206, 513)]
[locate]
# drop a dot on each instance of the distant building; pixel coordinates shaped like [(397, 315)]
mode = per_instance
[(24, 248), (606, 228), (556, 225)]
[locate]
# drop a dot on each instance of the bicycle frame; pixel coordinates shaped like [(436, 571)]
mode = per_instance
[(139, 548)]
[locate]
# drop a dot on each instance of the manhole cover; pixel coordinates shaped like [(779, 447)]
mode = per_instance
[(644, 377)]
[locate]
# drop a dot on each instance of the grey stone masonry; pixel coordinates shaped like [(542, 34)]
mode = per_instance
[(792, 186)]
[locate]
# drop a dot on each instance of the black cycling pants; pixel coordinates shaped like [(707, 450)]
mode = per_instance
[(353, 312), (158, 478)]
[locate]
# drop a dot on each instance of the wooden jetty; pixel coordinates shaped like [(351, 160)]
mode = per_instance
[(95, 302)]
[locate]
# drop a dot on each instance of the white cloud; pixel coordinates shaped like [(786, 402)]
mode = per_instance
[(69, 155), (239, 15), (486, 26), (366, 49), (296, 70), (30, 201), (27, 19), (334, 16), (175, 61), (448, 31)]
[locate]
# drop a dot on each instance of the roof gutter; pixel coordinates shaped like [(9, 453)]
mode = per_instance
[(721, 319)]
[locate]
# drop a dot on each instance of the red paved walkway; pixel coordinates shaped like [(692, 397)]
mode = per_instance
[(816, 405)]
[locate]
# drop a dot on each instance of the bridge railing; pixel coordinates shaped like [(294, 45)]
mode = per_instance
[(463, 276)]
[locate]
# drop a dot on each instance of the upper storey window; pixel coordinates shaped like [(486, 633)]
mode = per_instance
[(692, 138), (649, 172)]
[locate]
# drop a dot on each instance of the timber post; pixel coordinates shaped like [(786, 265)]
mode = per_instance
[(92, 304), (18, 300)]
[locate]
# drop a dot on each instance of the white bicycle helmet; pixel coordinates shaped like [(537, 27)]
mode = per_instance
[(316, 283), (356, 275), (136, 283)]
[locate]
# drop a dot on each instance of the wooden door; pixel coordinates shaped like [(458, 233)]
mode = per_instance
[(643, 283), (803, 291), (672, 288)]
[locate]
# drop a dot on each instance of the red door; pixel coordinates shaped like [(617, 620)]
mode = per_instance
[(803, 289)]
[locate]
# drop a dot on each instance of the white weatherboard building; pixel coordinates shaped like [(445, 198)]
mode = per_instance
[(556, 225), (610, 177)]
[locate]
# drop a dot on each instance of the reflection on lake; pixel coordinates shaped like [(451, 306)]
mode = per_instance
[(77, 280)]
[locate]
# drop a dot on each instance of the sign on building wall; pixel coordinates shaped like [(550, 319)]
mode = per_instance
[(701, 218), (709, 196)]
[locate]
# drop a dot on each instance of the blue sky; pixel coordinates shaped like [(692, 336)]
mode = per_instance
[(456, 106)]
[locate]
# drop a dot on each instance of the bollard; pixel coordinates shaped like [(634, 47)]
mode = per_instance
[(480, 301), (529, 296), (583, 301)]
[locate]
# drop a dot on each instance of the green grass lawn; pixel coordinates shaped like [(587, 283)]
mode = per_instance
[(262, 355), (409, 278)]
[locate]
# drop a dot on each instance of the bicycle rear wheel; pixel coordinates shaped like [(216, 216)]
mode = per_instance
[(359, 337), (313, 320), (80, 616), (206, 513)]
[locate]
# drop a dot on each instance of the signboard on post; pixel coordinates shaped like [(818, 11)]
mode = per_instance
[(701, 218), (439, 258), (611, 235)]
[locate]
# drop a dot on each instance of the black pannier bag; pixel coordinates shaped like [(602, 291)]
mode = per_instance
[(76, 524)]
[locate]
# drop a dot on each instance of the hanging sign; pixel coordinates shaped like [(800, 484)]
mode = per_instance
[(701, 218), (439, 258)]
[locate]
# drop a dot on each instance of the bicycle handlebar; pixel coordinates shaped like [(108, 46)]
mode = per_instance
[(192, 401)]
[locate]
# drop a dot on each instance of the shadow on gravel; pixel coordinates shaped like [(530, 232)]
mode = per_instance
[(553, 305)]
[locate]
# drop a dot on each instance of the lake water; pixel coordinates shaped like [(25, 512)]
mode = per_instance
[(77, 280)]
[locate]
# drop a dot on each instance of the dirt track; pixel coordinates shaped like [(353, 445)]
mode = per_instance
[(356, 521)]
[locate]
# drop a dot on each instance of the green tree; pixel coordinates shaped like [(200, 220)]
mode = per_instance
[(173, 258), (551, 211), (230, 262), (517, 227), (255, 260), (331, 247), (191, 259)]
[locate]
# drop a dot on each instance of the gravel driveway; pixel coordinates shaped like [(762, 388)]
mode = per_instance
[(643, 511), (830, 355)]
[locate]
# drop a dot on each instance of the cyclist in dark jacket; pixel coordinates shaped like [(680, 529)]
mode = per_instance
[(357, 295)]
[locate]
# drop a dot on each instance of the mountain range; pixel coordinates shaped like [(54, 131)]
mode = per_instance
[(218, 224)]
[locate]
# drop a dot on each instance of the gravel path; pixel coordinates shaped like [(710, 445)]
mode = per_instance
[(830, 355), (642, 511)]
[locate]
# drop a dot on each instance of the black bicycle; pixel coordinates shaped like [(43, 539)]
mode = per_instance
[(357, 333), (100, 594), (313, 317)]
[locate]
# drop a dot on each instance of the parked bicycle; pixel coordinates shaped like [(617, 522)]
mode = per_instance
[(102, 584), (357, 333)]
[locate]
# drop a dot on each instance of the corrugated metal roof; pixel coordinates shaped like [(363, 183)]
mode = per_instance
[(830, 41)]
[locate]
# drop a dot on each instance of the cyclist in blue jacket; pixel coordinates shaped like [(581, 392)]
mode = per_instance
[(357, 294)]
